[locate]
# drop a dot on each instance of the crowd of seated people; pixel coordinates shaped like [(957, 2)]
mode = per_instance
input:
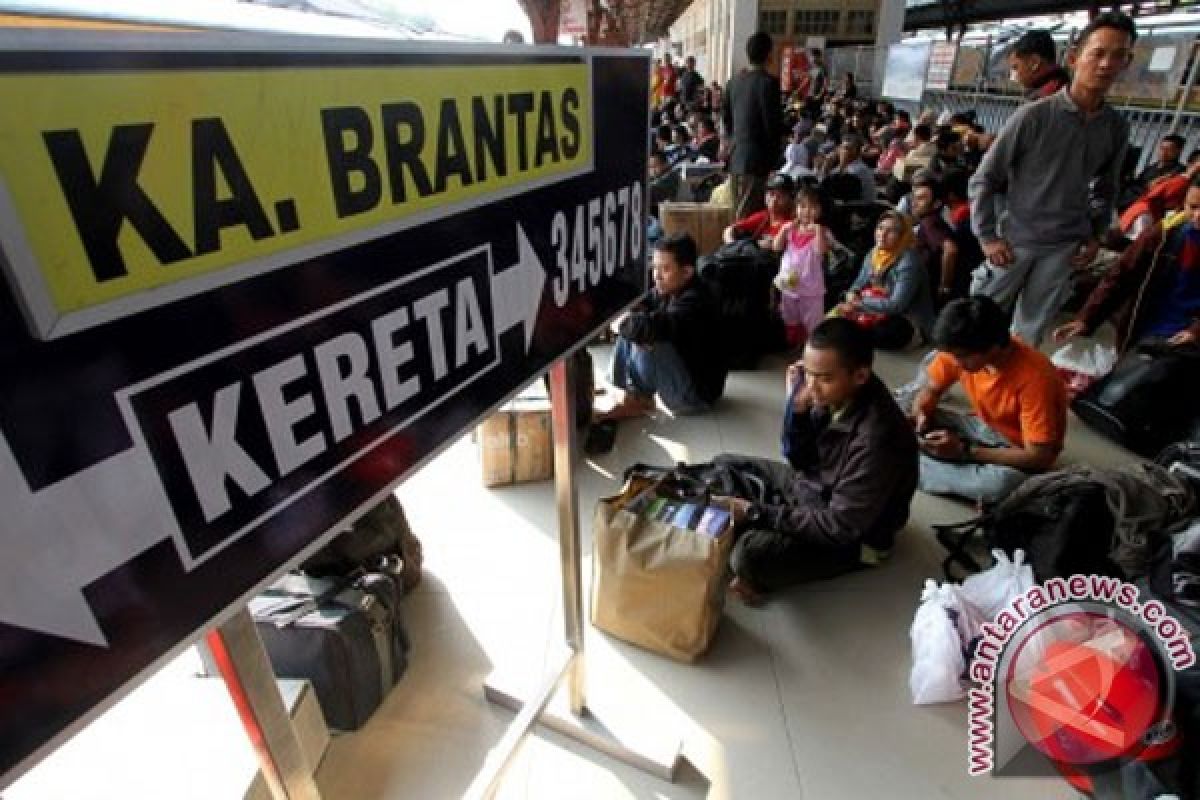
[(932, 209), (977, 238)]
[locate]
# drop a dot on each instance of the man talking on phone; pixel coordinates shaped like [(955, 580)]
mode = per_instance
[(1018, 399), (844, 494)]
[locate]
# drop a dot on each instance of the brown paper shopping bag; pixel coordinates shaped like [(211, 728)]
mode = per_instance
[(656, 584)]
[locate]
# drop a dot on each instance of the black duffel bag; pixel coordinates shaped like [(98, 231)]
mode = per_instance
[(344, 635), (379, 537), (1148, 400), (740, 273)]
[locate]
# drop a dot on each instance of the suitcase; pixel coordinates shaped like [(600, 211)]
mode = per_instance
[(344, 635)]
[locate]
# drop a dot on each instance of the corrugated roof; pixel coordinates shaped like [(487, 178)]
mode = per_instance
[(647, 20)]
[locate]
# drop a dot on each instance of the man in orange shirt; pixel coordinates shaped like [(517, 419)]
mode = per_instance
[(1018, 399)]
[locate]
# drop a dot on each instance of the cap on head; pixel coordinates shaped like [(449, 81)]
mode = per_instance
[(781, 182)]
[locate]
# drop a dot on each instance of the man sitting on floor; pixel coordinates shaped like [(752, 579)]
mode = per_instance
[(849, 162), (763, 226), (851, 475), (1158, 280), (1019, 401), (666, 346), (935, 241)]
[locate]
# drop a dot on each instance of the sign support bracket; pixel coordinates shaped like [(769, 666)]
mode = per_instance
[(561, 708), (241, 659)]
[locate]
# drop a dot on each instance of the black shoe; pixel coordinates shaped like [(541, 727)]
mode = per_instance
[(600, 438)]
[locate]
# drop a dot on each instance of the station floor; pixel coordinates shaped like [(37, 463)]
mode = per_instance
[(804, 698)]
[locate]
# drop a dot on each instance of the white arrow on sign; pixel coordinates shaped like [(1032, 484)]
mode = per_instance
[(517, 292), (60, 539)]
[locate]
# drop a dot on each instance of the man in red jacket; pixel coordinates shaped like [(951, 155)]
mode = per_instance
[(1158, 278), (1033, 63), (1166, 194)]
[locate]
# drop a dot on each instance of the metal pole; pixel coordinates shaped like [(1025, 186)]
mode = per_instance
[(564, 384), (500, 758), (575, 721), (1183, 96), (240, 657)]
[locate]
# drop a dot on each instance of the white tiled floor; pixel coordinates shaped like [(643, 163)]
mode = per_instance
[(806, 698)]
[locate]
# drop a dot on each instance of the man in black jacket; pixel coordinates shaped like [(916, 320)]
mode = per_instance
[(845, 493), (690, 83), (753, 120), (666, 347)]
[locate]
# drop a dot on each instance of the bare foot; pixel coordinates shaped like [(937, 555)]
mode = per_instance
[(747, 594), (630, 406)]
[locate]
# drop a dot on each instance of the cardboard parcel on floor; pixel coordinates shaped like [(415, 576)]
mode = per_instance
[(706, 223), (516, 444), (658, 584)]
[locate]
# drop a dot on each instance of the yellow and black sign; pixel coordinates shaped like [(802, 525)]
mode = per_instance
[(124, 190)]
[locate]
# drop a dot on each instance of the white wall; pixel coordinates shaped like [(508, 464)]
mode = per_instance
[(889, 29), (745, 22)]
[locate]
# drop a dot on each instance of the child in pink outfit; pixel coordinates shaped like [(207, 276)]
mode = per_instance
[(801, 278)]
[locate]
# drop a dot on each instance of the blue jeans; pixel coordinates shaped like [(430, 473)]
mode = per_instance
[(986, 482), (656, 369)]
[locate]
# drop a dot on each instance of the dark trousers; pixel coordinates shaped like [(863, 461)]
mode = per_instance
[(749, 194), (894, 333), (770, 560)]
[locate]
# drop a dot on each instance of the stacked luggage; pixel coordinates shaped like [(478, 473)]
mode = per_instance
[(336, 621)]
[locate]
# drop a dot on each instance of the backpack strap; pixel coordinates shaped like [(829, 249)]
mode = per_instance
[(955, 537), (298, 605)]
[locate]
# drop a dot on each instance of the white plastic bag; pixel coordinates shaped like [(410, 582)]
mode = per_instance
[(944, 624), (1086, 356), (1081, 362), (993, 589)]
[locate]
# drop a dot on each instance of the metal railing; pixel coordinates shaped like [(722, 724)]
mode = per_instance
[(1147, 124), (858, 60)]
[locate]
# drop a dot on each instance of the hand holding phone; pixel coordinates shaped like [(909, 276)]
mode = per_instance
[(942, 444)]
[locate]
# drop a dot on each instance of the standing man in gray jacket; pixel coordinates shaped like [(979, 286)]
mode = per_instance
[(753, 120), (1056, 163)]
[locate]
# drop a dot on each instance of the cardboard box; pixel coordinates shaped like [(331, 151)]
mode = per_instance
[(704, 222), (516, 444)]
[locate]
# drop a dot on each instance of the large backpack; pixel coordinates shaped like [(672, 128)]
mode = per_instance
[(740, 274), (380, 537), (841, 268), (1183, 458), (1078, 520), (1147, 400)]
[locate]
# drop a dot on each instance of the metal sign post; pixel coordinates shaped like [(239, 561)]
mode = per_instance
[(240, 658), (662, 759), (564, 386)]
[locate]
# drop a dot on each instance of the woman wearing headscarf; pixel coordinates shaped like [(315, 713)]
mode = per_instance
[(891, 296)]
